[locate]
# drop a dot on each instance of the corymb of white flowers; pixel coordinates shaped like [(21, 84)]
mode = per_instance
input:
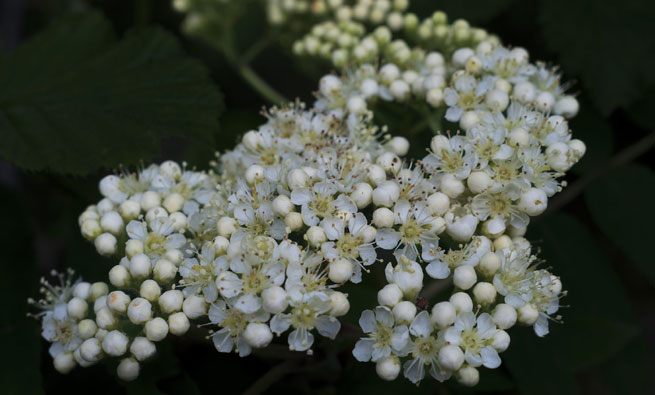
[(259, 244)]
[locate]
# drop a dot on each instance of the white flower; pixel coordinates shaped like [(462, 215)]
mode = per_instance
[(160, 239), (466, 94), (475, 337), (199, 274), (424, 351), (233, 323), (383, 336)]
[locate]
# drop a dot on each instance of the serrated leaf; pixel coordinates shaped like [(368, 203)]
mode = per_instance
[(621, 204), (606, 44), (73, 99)]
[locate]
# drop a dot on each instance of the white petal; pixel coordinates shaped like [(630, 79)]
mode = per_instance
[(438, 270), (421, 326), (248, 303), (387, 239), (490, 357), (327, 326), (363, 349), (367, 321)]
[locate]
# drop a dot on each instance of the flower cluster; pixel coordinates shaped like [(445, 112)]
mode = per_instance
[(259, 245)]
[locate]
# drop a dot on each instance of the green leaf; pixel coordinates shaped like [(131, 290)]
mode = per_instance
[(621, 204), (74, 99), (606, 44)]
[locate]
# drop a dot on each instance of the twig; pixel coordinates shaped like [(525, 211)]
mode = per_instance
[(571, 192)]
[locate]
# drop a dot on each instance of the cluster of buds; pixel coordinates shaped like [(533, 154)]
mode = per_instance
[(259, 245)]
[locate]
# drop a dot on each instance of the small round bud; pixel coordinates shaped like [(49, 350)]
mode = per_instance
[(139, 311), (439, 143), (156, 329), (112, 222), (119, 277), (194, 307), (399, 90), (115, 343), (164, 271), (91, 350), (104, 206), (99, 303), (497, 100), (150, 200), (533, 201), (390, 295), (451, 357), (97, 290), (389, 73), (383, 218), (468, 376), (484, 293), (128, 369), (461, 56), (438, 225), (434, 97), (130, 209), (315, 235), (478, 181), (438, 203), (258, 335), (150, 290), (340, 270), (376, 174), (388, 368), (577, 147), (462, 302), (87, 328), (519, 137), (362, 194), (329, 84), (220, 244), (525, 92), (503, 242), (544, 101), (226, 226), (77, 355), (451, 186), (274, 299), (567, 106), (489, 264), (282, 205), (340, 304), (64, 362), (91, 229), (368, 234), (142, 348), (389, 162), (178, 324), (557, 155), (528, 314), (444, 314), (173, 202), (140, 266), (399, 145), (106, 318), (404, 311), (386, 194), (77, 308), (504, 316), (171, 301), (297, 178), (118, 301), (156, 212), (468, 120), (501, 340), (174, 255), (105, 244), (294, 221), (356, 105), (170, 168), (252, 140), (465, 277), (133, 247)]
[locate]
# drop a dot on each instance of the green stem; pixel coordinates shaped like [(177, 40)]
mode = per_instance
[(259, 85)]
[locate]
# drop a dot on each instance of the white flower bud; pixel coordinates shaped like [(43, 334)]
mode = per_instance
[(462, 229), (404, 311), (557, 155), (390, 295), (519, 137), (105, 244), (468, 376), (91, 229), (226, 226), (399, 89), (468, 120), (389, 162), (252, 140), (118, 301), (112, 222), (77, 355), (99, 303), (133, 247), (464, 277), (142, 348), (171, 301), (128, 369), (525, 92), (356, 105), (451, 186), (460, 57), (577, 147), (130, 209), (156, 329), (150, 290), (173, 202), (274, 299), (362, 194), (297, 178), (500, 340), (194, 307), (544, 101), (340, 270), (497, 100), (503, 85), (174, 255), (533, 201), (149, 200), (388, 368), (484, 293), (376, 174), (104, 205), (329, 84), (315, 235), (555, 286), (164, 271), (97, 290), (462, 302), (87, 328), (567, 106), (258, 335), (473, 65), (383, 218), (478, 181), (439, 143), (101, 333), (443, 314), (368, 234), (494, 227), (156, 212), (294, 221), (451, 357), (489, 264), (339, 304), (438, 225), (91, 350), (504, 316), (515, 232), (502, 243), (139, 311), (64, 362), (115, 343), (140, 266), (386, 194), (389, 73), (179, 221), (438, 203), (170, 169), (178, 324), (220, 244), (282, 205), (399, 145), (253, 174), (77, 308), (527, 314)]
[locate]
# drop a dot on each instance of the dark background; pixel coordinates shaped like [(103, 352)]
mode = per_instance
[(597, 234)]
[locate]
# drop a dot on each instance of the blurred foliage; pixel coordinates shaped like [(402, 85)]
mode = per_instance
[(103, 101)]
